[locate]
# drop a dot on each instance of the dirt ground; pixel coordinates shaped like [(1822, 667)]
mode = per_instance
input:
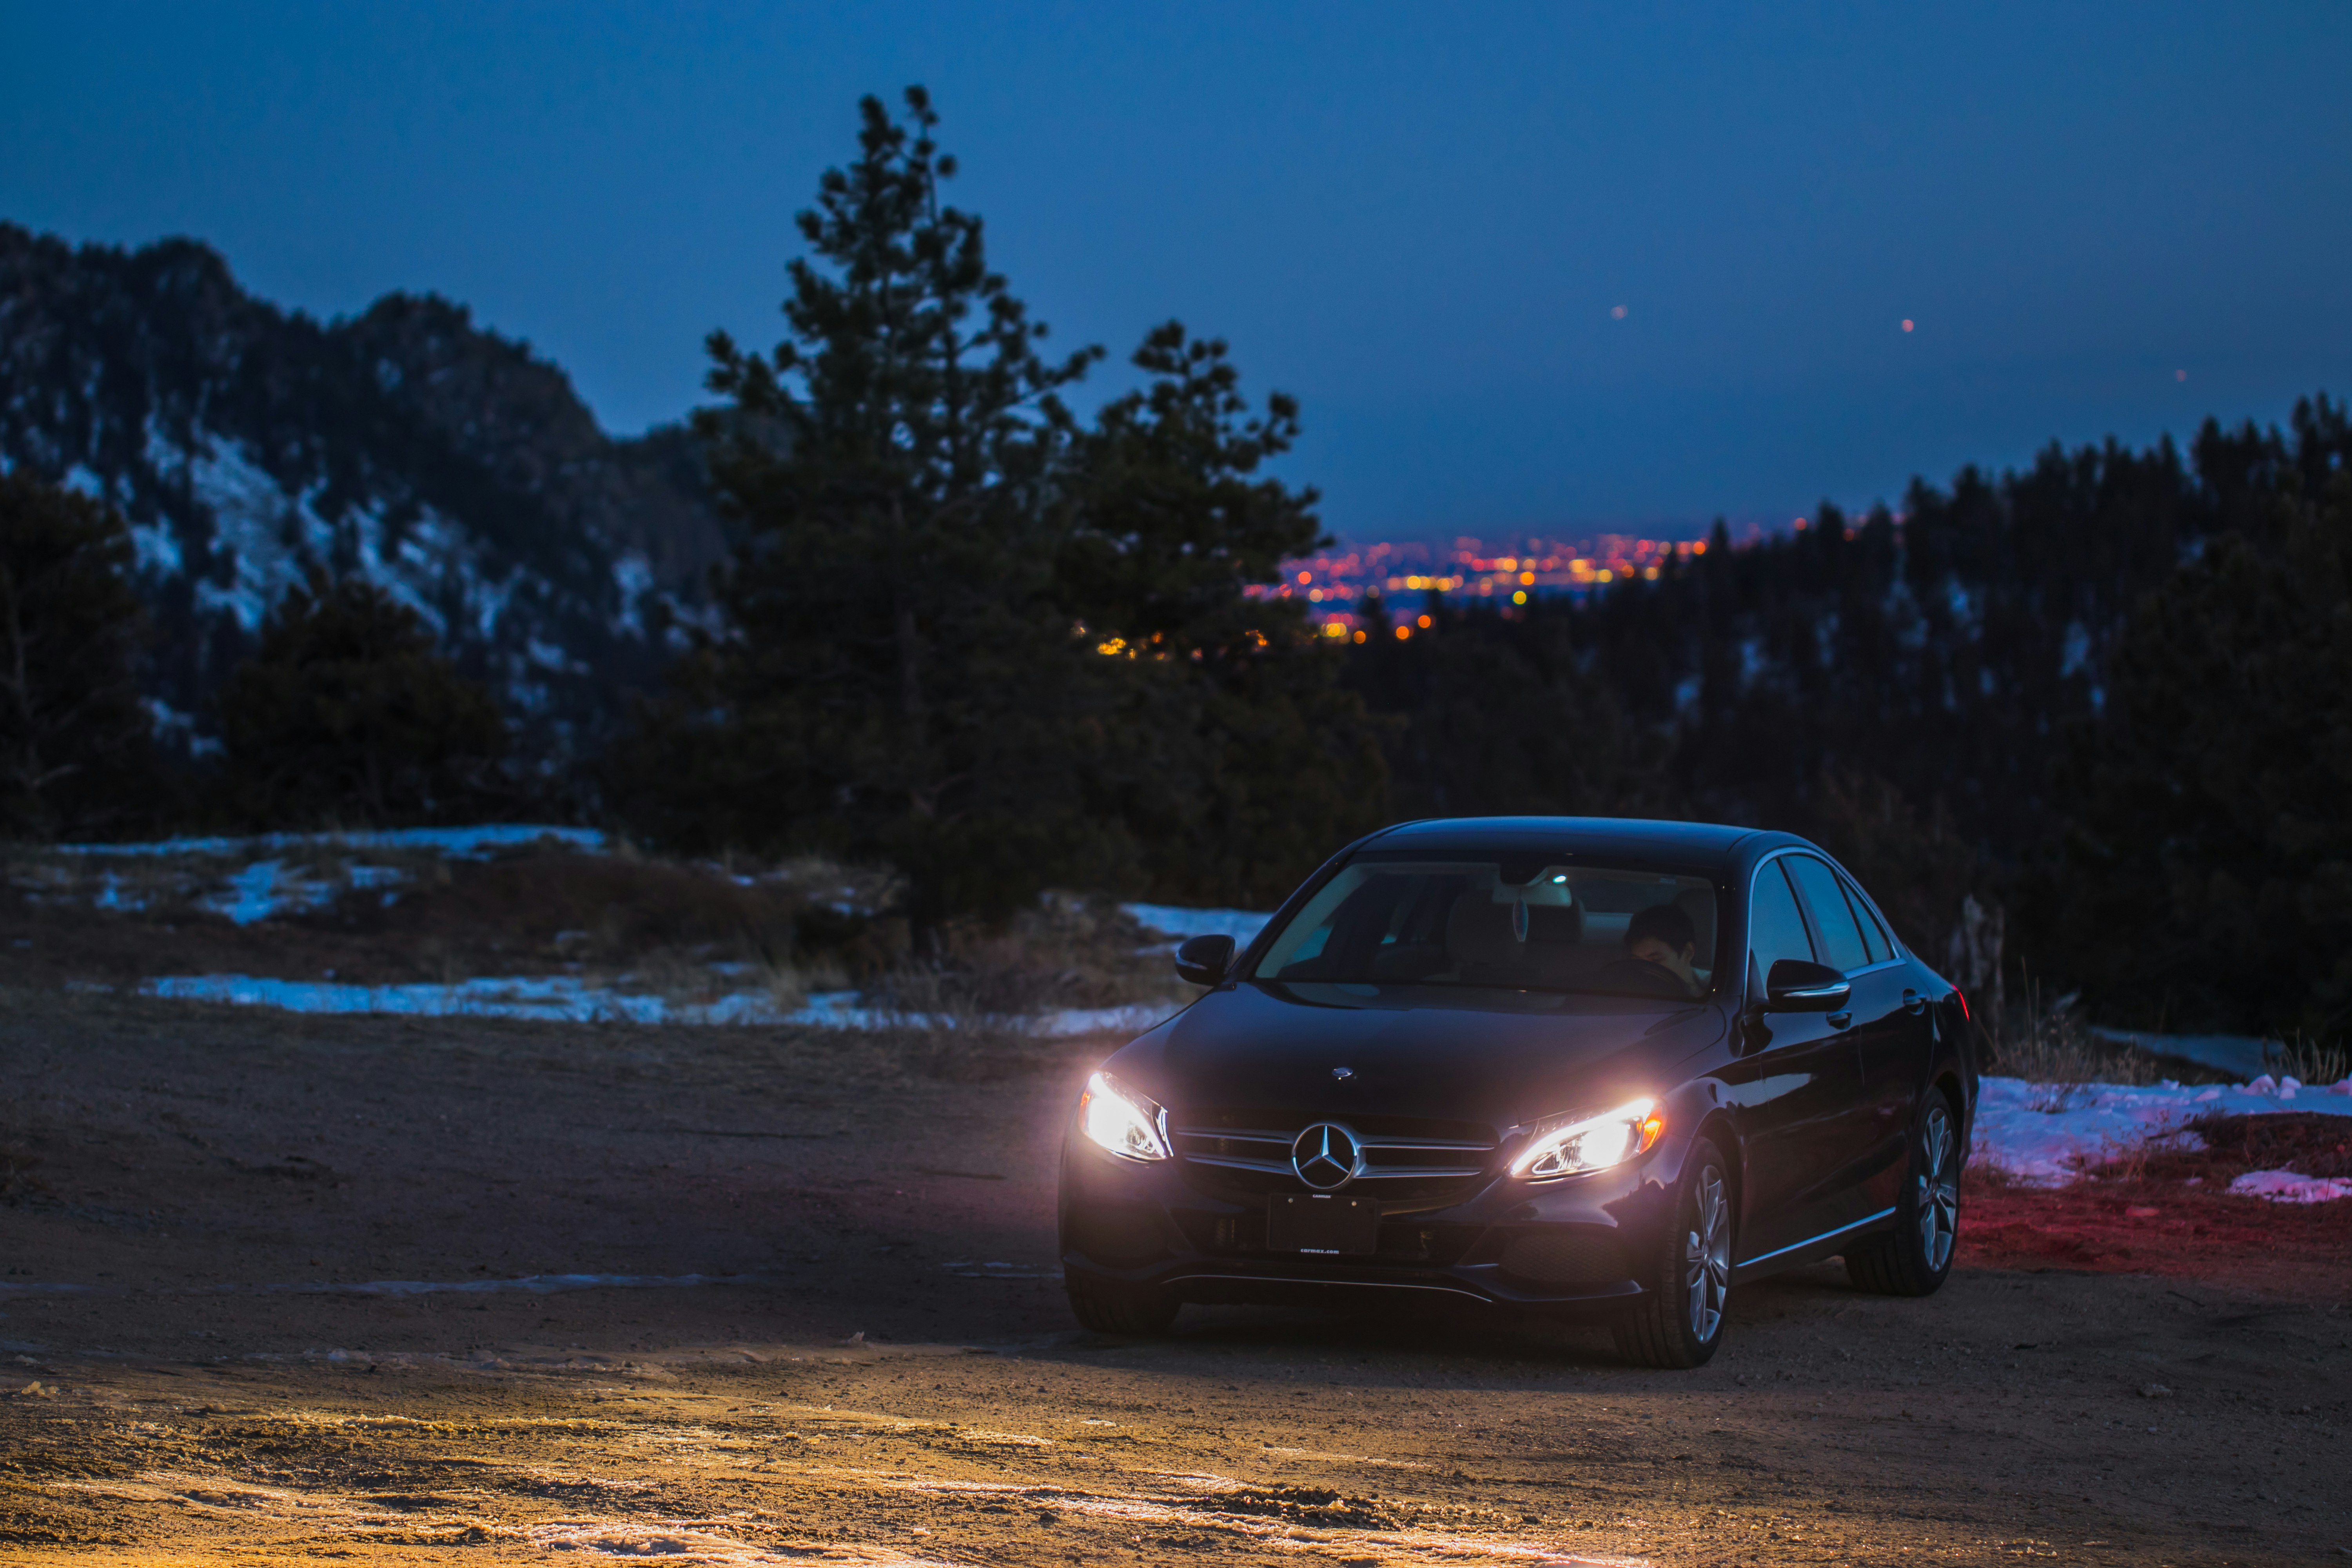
[(827, 1331)]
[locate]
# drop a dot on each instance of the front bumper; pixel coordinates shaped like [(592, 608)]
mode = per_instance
[(1578, 1243)]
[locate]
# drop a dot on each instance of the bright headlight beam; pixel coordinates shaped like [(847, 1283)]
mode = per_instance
[(1130, 1125), (1568, 1145)]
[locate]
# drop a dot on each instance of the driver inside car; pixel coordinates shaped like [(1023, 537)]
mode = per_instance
[(1662, 936)]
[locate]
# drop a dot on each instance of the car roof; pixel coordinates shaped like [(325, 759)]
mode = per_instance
[(1694, 842)]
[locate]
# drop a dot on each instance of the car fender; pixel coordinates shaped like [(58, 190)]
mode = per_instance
[(1694, 1111)]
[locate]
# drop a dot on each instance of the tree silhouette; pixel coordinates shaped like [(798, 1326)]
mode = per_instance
[(1242, 761), (348, 714), (73, 727)]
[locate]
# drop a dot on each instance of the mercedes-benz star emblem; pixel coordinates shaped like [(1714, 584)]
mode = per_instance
[(1343, 1074), (1327, 1156)]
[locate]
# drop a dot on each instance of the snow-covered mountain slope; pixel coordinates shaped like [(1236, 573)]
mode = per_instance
[(248, 444)]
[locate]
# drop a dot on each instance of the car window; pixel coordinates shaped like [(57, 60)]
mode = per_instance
[(1833, 917), (1873, 935), (1775, 930), (1516, 923)]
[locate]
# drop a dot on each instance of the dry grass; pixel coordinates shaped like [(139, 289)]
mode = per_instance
[(1069, 951), (692, 933), (2307, 1061), (2052, 1047)]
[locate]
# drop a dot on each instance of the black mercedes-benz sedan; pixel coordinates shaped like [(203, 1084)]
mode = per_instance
[(1564, 1064)]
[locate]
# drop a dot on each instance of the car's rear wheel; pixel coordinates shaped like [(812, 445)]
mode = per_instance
[(1916, 1256), (1108, 1307), (1678, 1322)]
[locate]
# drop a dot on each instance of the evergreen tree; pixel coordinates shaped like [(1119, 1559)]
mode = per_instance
[(1495, 712), (900, 683), (1242, 762), (347, 713), (73, 728), (2210, 864)]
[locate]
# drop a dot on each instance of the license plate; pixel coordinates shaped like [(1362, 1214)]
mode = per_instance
[(1322, 1224)]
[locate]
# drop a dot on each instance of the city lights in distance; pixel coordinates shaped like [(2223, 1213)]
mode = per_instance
[(1511, 577)]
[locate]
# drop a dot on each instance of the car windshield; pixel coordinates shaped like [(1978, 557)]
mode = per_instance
[(1497, 923)]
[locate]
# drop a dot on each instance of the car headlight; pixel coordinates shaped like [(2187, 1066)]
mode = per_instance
[(1130, 1125), (1565, 1145)]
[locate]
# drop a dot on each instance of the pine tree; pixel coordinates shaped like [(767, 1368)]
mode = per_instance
[(73, 728), (1242, 761), (899, 684), (1497, 714), (348, 714), (2211, 865)]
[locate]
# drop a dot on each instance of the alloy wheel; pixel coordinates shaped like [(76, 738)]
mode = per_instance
[(1939, 1195), (1706, 1255)]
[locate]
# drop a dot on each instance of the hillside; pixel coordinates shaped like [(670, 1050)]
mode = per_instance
[(248, 444)]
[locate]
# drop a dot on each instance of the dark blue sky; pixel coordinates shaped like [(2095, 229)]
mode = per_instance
[(1417, 218)]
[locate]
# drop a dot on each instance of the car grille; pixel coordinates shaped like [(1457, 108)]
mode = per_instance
[(1411, 1162)]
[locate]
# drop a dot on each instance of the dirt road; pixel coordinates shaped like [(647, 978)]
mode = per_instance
[(811, 1318)]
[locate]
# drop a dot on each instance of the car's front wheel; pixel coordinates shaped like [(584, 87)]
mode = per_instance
[(1678, 1322), (1108, 1307), (1916, 1256)]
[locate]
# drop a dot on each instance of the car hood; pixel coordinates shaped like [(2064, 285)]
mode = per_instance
[(1497, 1057)]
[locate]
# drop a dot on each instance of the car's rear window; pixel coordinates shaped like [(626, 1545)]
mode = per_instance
[(1487, 922)]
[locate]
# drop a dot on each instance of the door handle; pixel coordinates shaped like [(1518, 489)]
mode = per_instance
[(1913, 1002), (1840, 1020)]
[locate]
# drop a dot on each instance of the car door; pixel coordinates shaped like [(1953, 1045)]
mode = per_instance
[(1895, 1033), (1797, 1089)]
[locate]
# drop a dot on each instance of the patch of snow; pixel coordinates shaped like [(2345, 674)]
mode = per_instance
[(1173, 920), (633, 579), (2287, 1187), (564, 998), (845, 1010), (550, 656), (2075, 656), (252, 894), (558, 998), (467, 842), (2043, 1134), (1133, 1019), (256, 529), (154, 548), (1956, 599)]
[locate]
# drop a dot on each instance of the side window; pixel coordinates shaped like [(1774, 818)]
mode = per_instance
[(1873, 935), (1832, 916), (1775, 929)]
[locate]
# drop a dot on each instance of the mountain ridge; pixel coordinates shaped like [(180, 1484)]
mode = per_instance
[(249, 445)]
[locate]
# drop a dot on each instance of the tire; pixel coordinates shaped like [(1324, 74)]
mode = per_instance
[(1916, 1258), (1120, 1309), (1678, 1322)]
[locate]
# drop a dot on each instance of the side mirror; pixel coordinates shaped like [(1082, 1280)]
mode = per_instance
[(1204, 959), (1796, 985)]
